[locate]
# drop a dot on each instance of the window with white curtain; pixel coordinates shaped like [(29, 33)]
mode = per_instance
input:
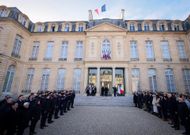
[(80, 28), (61, 79), (132, 27), (186, 78), (45, 79), (152, 79), (181, 50), (64, 50), (35, 49), (66, 27), (77, 80), (135, 72), (17, 46), (165, 50), (106, 49), (149, 50), (170, 80), (49, 50), (134, 50), (30, 75), (146, 27), (9, 79), (79, 50), (39, 28)]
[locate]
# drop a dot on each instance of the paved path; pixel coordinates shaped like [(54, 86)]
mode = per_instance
[(108, 120)]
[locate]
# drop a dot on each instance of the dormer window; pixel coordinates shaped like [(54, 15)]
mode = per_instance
[(162, 27), (53, 28), (132, 27), (67, 27), (3, 12), (146, 27), (39, 28), (80, 29), (176, 27)]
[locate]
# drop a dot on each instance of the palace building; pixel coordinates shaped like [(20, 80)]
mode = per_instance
[(133, 54)]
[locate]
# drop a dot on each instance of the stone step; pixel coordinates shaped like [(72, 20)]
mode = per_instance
[(104, 101)]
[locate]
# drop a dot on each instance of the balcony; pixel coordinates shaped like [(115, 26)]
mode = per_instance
[(167, 59), (150, 59), (47, 59), (78, 59), (62, 59), (184, 59), (134, 59), (33, 59)]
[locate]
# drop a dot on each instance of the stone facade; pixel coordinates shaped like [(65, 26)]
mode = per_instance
[(119, 34)]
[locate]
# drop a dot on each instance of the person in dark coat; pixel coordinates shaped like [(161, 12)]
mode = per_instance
[(44, 111), (62, 103), (114, 91), (106, 91), (72, 98), (103, 91), (35, 111), (135, 96), (12, 119), (184, 114)]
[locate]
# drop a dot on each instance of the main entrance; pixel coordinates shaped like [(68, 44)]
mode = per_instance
[(107, 78)]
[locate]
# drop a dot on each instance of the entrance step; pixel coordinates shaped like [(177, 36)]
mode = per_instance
[(104, 101)]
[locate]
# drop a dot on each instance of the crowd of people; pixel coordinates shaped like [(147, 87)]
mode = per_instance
[(91, 90), (18, 114), (171, 107)]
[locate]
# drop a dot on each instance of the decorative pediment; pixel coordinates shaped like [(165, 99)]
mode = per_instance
[(106, 27)]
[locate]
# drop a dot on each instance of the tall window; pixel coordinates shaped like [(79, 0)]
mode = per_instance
[(149, 50), (29, 79), (170, 80), (186, 77), (135, 79), (3, 12), (76, 80), (35, 50), (64, 50), (165, 50), (61, 79), (106, 50), (134, 50), (176, 27), (146, 27), (45, 79), (154, 27), (79, 50), (67, 27), (9, 79), (17, 46), (132, 27), (152, 79), (49, 50), (80, 27), (181, 50), (139, 27)]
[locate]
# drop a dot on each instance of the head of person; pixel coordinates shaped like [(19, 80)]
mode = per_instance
[(26, 105)]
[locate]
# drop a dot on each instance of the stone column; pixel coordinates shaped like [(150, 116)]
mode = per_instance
[(127, 88), (98, 81), (85, 80), (113, 76)]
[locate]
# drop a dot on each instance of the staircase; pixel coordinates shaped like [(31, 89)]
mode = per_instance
[(104, 101)]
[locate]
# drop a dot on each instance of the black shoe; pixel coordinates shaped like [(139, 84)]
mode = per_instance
[(41, 127), (50, 121), (56, 117), (177, 128), (45, 125), (72, 106)]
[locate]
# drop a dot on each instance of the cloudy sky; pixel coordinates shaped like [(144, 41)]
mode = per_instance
[(59, 10)]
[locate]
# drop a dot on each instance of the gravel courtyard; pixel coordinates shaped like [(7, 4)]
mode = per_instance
[(108, 120)]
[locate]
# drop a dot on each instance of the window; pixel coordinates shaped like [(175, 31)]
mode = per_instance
[(181, 50), (106, 50), (3, 12), (66, 27), (60, 27), (9, 79), (35, 50), (165, 50), (169, 26), (135, 79), (132, 27), (61, 79), (49, 50), (146, 27), (149, 50), (134, 50), (29, 79), (176, 27), (92, 76), (73, 27), (80, 27), (154, 27), (64, 49), (76, 80), (39, 28), (139, 27), (186, 77), (53, 28), (17, 46), (170, 80), (162, 27), (152, 79), (79, 50), (45, 79)]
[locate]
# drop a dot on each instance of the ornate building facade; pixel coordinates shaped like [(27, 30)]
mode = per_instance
[(132, 54)]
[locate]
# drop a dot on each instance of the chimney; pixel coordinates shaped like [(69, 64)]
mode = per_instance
[(122, 14), (90, 16)]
